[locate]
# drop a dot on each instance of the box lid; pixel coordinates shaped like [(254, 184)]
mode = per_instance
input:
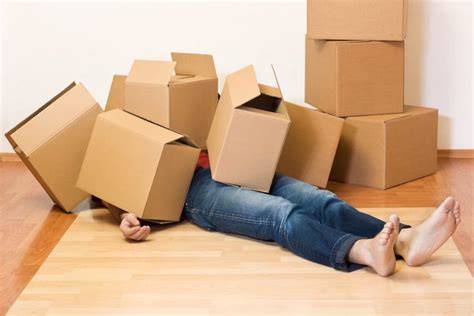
[(152, 72), (50, 119), (194, 64), (409, 111)]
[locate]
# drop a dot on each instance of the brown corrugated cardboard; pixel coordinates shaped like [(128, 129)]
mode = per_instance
[(383, 20), (138, 166), (185, 103), (248, 132), (53, 140), (386, 150), (350, 78), (116, 99), (311, 145)]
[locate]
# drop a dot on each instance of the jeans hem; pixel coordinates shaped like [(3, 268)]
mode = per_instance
[(340, 251)]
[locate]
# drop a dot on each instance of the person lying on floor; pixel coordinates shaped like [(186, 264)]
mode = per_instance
[(312, 223)]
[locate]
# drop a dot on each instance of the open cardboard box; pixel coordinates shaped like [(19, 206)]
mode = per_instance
[(382, 151), (138, 166), (184, 102), (248, 132), (383, 20), (351, 78), (311, 145), (53, 140)]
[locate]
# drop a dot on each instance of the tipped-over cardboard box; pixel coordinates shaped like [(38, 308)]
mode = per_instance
[(311, 145), (138, 166), (248, 132), (53, 140), (387, 150), (350, 78), (383, 20), (185, 102)]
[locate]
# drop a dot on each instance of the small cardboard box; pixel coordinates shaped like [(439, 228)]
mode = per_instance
[(311, 145), (248, 132), (383, 20), (53, 140), (138, 166), (386, 150), (350, 78), (185, 103)]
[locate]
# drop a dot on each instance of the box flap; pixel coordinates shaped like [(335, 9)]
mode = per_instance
[(194, 64), (38, 129), (188, 141), (277, 82), (140, 126), (116, 99), (151, 72), (242, 86)]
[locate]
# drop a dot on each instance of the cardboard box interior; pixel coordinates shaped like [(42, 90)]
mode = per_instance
[(52, 142)]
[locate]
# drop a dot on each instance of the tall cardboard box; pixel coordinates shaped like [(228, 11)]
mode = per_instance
[(311, 145), (383, 151), (185, 102), (351, 78), (53, 140), (383, 20), (248, 132), (138, 166)]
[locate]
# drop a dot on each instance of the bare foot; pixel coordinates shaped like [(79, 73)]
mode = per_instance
[(417, 244), (378, 252)]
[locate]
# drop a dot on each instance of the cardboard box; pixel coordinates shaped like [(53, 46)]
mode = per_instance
[(350, 78), (248, 132), (387, 150), (53, 140), (138, 166), (185, 103), (383, 20), (311, 145)]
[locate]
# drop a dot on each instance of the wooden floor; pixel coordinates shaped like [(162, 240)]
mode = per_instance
[(186, 270), (31, 226)]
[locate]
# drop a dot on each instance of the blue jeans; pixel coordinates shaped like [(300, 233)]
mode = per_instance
[(310, 222)]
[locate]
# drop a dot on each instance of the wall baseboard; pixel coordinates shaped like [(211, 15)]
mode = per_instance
[(9, 157), (442, 153), (456, 153)]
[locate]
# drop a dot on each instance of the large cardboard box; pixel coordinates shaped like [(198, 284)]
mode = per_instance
[(387, 150), (383, 20), (53, 140), (350, 78), (248, 132), (311, 145), (138, 166), (185, 102)]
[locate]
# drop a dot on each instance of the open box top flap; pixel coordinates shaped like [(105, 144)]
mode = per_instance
[(194, 64), (242, 86), (151, 72)]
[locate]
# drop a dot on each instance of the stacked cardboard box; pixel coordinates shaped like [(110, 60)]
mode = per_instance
[(135, 155), (355, 70)]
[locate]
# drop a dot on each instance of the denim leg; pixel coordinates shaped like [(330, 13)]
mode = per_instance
[(230, 209), (327, 208)]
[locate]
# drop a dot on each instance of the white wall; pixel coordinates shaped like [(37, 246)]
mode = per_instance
[(46, 45)]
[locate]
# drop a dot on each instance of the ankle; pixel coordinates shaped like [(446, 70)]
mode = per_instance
[(401, 245), (360, 252)]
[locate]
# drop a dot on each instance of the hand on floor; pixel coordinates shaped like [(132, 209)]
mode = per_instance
[(131, 229)]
